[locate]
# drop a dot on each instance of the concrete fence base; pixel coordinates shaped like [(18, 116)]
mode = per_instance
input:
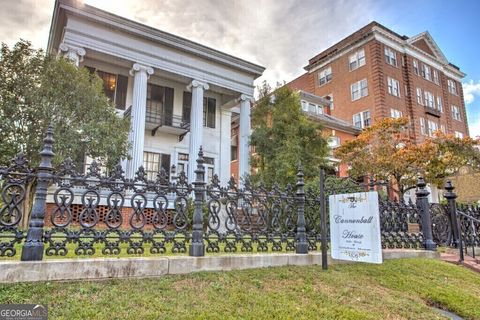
[(105, 268)]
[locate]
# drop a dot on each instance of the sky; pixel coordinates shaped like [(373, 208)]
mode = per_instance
[(282, 35)]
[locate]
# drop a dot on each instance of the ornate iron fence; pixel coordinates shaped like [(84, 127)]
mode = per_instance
[(92, 213), (456, 225), (14, 181)]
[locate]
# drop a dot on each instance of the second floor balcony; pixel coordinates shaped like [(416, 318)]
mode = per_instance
[(159, 121)]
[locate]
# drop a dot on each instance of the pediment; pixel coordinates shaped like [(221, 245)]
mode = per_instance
[(422, 45), (425, 43)]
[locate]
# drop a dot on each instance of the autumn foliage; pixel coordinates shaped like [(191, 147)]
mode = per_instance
[(387, 150)]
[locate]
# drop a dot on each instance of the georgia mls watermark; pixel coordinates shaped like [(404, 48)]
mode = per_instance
[(23, 312)]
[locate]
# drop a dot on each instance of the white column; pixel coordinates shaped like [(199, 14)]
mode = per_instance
[(72, 53), (244, 135), (141, 74), (225, 145), (196, 125)]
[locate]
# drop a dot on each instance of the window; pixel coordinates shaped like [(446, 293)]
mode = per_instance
[(233, 153), (422, 126), (304, 105), (442, 128), (419, 97), (356, 60), (435, 77), (394, 113), (432, 127), (393, 87), (359, 89), (362, 119), (452, 86), (415, 67), (114, 87), (390, 56), (209, 168), (426, 72), (312, 108), (439, 103), (209, 110), (429, 101), (159, 105), (153, 162), (456, 113), (325, 76), (458, 135), (333, 142), (182, 164)]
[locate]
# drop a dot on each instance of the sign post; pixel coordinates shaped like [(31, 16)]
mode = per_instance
[(355, 227)]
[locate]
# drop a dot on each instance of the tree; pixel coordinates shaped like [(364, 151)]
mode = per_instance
[(449, 155), (387, 151), (38, 90), (283, 137)]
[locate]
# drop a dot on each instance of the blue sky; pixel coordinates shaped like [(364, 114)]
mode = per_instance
[(282, 34)]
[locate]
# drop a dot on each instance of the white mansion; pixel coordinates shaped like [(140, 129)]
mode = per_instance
[(180, 95)]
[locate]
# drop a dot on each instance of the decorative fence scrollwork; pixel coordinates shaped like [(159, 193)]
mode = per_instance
[(14, 182), (400, 225)]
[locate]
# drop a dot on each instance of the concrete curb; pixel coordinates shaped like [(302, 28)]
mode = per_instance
[(110, 268)]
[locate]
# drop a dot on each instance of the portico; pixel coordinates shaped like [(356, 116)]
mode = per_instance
[(179, 95)]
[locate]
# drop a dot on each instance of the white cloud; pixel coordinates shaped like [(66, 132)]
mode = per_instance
[(470, 91), (26, 19), (280, 35)]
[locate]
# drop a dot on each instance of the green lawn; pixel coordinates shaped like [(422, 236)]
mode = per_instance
[(398, 289)]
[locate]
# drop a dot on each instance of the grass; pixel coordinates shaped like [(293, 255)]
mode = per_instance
[(398, 289)]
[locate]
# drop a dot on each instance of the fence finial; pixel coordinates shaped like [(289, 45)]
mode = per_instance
[(302, 245), (33, 247), (422, 204)]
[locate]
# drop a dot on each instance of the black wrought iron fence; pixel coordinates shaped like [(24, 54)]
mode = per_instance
[(85, 214), (456, 225)]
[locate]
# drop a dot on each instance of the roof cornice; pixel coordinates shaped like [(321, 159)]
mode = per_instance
[(430, 59), (75, 8)]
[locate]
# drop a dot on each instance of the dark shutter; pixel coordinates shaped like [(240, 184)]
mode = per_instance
[(121, 93), (211, 112), (205, 103), (168, 107), (187, 106)]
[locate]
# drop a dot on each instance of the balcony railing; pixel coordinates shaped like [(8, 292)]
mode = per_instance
[(157, 121), (432, 111)]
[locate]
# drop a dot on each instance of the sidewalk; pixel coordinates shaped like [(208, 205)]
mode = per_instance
[(453, 256)]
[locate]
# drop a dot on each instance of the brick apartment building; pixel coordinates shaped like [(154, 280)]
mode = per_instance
[(376, 73)]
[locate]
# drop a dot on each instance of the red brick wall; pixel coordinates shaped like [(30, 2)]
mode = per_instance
[(102, 211)]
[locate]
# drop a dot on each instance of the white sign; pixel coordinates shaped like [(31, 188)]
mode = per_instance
[(355, 227)]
